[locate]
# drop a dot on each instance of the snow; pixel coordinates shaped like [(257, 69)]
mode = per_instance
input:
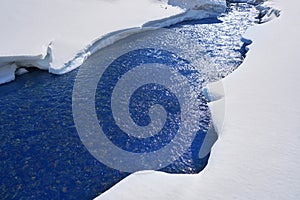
[(257, 153), (196, 4), (59, 35), (28, 27)]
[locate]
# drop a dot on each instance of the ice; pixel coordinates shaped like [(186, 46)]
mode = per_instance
[(28, 28), (7, 72), (257, 153), (192, 14), (21, 71), (58, 36)]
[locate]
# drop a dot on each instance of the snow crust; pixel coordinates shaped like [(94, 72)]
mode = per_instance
[(59, 35), (257, 153)]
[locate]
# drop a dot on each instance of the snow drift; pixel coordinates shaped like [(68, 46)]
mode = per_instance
[(58, 36)]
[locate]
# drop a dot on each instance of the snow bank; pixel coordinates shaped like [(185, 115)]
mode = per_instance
[(59, 35), (257, 154)]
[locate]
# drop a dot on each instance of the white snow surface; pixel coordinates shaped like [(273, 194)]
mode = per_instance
[(59, 35), (196, 4), (257, 153)]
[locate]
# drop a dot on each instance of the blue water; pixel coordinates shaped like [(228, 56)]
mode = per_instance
[(41, 154)]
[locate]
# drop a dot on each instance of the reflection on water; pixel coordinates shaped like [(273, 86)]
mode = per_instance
[(41, 154)]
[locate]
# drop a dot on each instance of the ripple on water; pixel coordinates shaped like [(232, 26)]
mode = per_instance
[(41, 155)]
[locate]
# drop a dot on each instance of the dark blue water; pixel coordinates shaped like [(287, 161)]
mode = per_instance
[(41, 154)]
